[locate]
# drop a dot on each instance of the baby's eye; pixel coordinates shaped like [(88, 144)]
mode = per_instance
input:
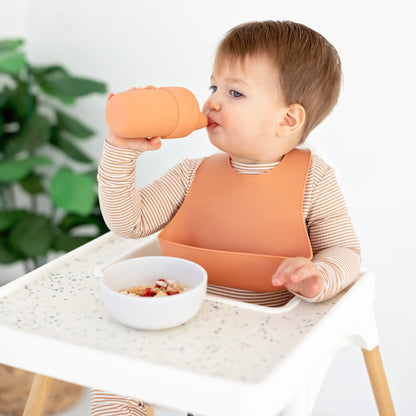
[(213, 88), (236, 94)]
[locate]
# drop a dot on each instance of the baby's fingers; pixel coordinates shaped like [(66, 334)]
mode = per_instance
[(143, 144), (309, 287), (154, 143), (287, 270)]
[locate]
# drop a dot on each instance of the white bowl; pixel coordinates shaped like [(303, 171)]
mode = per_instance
[(153, 312)]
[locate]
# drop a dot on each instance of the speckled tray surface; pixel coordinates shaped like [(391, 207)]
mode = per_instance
[(62, 302)]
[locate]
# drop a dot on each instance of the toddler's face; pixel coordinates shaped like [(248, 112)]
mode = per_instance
[(245, 109)]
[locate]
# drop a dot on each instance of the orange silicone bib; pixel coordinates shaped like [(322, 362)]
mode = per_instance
[(241, 227)]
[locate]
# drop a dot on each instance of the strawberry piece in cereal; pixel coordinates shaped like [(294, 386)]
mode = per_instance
[(161, 288)]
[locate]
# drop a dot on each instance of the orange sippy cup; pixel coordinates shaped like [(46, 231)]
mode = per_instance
[(168, 112)]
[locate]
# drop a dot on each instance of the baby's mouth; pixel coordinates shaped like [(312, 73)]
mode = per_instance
[(211, 123)]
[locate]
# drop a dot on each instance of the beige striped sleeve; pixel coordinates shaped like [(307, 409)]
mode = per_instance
[(103, 403), (336, 249), (134, 213)]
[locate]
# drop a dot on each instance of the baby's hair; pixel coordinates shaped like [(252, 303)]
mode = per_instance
[(308, 66)]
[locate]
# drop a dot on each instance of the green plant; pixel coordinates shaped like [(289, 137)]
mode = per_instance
[(46, 204)]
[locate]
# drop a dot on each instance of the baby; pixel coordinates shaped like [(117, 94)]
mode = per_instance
[(272, 83)]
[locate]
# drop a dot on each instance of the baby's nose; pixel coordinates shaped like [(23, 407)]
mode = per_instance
[(212, 104), (215, 106)]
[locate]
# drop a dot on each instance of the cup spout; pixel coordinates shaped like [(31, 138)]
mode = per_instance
[(202, 122)]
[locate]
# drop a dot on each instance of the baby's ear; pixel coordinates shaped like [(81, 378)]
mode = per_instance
[(293, 120)]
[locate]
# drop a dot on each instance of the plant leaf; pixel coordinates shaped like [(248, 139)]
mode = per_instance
[(17, 103), (12, 61), (66, 242), (73, 126), (32, 236), (34, 134), (4, 95), (6, 220), (70, 149), (32, 184), (13, 170), (73, 192), (7, 255), (9, 218), (10, 44), (64, 86), (39, 72), (71, 221)]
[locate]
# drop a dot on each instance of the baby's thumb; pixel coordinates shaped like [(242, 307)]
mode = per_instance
[(155, 143)]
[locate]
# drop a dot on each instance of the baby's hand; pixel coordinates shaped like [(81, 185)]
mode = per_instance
[(299, 275), (141, 144)]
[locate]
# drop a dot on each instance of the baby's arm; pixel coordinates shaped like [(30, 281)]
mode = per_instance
[(132, 212), (337, 259)]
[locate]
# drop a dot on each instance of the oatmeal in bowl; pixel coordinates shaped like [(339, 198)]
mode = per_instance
[(154, 292)]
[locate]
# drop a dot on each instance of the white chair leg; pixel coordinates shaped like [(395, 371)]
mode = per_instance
[(304, 402), (363, 334)]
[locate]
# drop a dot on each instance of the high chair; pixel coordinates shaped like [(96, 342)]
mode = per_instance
[(238, 359)]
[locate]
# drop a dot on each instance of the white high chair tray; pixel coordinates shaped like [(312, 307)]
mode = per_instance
[(228, 360)]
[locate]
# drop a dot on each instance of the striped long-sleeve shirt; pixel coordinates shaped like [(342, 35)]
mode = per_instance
[(134, 213)]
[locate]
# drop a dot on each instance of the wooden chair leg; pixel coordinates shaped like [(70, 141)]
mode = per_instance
[(378, 380), (150, 411), (36, 402)]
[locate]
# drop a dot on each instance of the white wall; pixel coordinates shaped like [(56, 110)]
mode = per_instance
[(370, 137)]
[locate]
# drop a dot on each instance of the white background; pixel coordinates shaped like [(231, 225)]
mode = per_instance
[(369, 137)]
